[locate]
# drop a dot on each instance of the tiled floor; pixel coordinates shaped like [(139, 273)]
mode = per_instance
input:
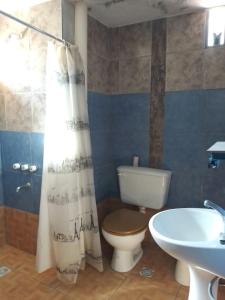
[(24, 283)]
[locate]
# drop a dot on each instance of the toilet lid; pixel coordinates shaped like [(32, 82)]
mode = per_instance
[(125, 222)]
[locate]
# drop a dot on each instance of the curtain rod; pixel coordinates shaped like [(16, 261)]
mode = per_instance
[(33, 27)]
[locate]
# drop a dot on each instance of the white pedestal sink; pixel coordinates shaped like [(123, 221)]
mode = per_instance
[(192, 235)]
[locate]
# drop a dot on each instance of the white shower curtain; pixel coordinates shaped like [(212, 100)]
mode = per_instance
[(68, 234)]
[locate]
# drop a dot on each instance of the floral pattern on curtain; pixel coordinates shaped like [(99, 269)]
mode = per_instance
[(68, 234)]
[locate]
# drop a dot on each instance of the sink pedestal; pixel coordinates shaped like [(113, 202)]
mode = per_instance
[(199, 283)]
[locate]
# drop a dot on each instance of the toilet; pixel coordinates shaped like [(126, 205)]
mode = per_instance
[(124, 229)]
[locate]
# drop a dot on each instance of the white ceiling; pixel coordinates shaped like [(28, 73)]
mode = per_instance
[(115, 13), (13, 5)]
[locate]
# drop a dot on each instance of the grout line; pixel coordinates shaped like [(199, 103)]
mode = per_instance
[(116, 290)]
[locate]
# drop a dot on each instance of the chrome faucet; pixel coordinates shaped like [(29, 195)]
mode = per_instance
[(221, 211), (25, 186)]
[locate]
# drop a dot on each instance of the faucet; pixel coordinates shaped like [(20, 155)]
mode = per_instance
[(221, 211), (213, 163), (25, 186)]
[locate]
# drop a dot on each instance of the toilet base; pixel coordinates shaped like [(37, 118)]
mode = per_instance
[(124, 261)]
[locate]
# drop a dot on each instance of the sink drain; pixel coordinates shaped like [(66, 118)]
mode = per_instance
[(4, 270), (146, 272)]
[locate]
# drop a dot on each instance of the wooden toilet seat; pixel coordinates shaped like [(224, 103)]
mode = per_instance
[(124, 222)]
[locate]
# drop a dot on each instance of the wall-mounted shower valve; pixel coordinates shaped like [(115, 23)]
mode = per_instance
[(16, 166), (24, 167), (33, 168)]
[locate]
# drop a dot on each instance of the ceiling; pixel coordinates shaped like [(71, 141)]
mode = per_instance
[(113, 13), (13, 5)]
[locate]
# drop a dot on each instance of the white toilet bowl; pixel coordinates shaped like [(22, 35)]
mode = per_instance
[(124, 230)]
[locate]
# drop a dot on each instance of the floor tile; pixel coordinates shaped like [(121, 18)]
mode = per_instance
[(24, 283)]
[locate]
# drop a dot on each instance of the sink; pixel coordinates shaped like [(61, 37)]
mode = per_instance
[(192, 235)]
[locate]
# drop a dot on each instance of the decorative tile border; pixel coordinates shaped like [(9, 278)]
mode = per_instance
[(158, 78), (19, 228)]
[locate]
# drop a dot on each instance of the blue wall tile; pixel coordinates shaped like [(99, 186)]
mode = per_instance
[(103, 178), (101, 147), (119, 130), (99, 109), (194, 120), (119, 126), (15, 148), (22, 200), (23, 147), (37, 147), (214, 110), (36, 192), (214, 186), (183, 112), (130, 112), (130, 130), (185, 189)]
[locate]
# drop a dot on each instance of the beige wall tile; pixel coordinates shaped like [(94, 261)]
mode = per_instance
[(37, 63), (38, 112), (98, 38), (184, 71), (135, 40), (135, 74), (25, 67), (98, 73), (18, 112), (46, 16), (186, 32), (114, 43), (214, 68), (113, 77)]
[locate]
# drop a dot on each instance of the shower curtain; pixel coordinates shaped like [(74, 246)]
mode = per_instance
[(68, 234)]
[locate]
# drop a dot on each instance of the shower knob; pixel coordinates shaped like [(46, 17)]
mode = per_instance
[(32, 168), (24, 167), (16, 166)]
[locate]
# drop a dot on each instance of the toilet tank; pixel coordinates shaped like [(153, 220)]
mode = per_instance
[(144, 186)]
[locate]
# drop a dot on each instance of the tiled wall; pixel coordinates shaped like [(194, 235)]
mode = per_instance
[(2, 225), (22, 79), (22, 113), (194, 112), (119, 59), (21, 229), (98, 57), (190, 65), (22, 96), (158, 79), (193, 107), (119, 63), (1, 185), (99, 106), (194, 120), (131, 58), (21, 147), (119, 80)]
